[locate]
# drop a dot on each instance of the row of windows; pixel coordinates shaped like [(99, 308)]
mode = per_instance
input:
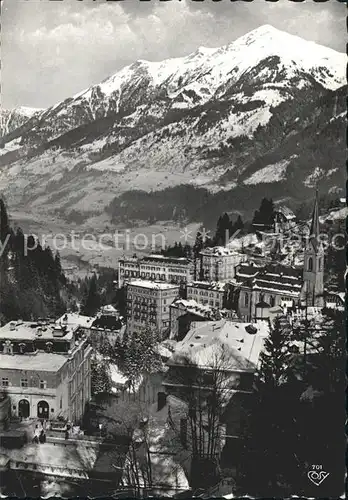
[(211, 302), (202, 292), (24, 383), (260, 297)]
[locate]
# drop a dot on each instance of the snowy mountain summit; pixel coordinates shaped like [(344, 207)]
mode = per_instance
[(215, 118)]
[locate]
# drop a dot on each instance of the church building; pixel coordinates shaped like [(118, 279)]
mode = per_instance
[(259, 289)]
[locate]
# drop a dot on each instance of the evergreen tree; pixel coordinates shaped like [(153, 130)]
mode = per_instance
[(265, 215), (100, 377), (31, 286), (223, 230), (141, 355), (270, 436), (91, 302), (5, 228), (239, 224), (276, 357)]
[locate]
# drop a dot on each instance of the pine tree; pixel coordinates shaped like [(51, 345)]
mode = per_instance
[(276, 357), (223, 229), (91, 302), (5, 228), (100, 377), (270, 438), (265, 215), (141, 355)]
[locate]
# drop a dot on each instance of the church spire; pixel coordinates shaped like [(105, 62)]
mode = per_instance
[(315, 228)]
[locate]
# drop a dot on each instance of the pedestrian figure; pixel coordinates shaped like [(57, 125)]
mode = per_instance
[(42, 437)]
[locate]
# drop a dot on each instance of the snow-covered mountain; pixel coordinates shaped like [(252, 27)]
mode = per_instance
[(203, 119), (12, 119)]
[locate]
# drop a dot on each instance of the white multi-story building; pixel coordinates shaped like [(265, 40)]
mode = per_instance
[(213, 294), (218, 263), (148, 304), (155, 267), (45, 369)]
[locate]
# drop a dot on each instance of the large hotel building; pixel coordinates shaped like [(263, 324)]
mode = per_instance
[(45, 369), (155, 267)]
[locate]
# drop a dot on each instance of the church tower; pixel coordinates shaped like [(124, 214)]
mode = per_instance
[(313, 270)]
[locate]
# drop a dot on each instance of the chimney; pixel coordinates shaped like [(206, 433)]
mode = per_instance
[(161, 400)]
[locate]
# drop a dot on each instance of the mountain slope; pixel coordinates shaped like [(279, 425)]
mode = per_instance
[(11, 120), (210, 119)]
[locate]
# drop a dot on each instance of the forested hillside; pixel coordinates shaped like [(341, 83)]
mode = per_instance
[(32, 283)]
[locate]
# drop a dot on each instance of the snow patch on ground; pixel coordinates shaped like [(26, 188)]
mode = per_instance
[(11, 146), (271, 173)]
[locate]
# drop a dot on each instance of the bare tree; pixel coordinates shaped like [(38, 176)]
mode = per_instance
[(206, 383)]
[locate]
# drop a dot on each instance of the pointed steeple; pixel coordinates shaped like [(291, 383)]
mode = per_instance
[(315, 229)]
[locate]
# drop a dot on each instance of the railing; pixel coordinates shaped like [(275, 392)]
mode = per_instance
[(55, 470)]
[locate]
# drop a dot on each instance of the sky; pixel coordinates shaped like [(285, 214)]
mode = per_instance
[(51, 50)]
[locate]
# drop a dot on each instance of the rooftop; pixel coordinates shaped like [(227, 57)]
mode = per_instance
[(30, 330), (242, 340), (154, 285), (193, 306), (287, 212), (41, 361), (214, 285), (74, 320), (219, 251), (163, 258)]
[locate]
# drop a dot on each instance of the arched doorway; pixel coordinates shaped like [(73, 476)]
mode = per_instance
[(43, 409), (23, 408)]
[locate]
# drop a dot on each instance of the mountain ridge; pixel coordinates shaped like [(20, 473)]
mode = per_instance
[(203, 119)]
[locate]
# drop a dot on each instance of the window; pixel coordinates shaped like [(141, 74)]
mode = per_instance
[(246, 299), (24, 382), (320, 264), (43, 384), (310, 264), (4, 382), (272, 301)]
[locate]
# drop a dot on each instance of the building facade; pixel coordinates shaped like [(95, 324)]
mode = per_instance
[(260, 289), (155, 268), (183, 313), (213, 294), (148, 305), (45, 369), (218, 263)]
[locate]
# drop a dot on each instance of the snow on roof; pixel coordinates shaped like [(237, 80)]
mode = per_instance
[(288, 214), (154, 285), (81, 456), (206, 285), (30, 330), (193, 306), (164, 259), (219, 251), (108, 308), (75, 319), (41, 361), (243, 241), (203, 343)]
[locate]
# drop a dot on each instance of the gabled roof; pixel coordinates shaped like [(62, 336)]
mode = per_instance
[(203, 344), (288, 214)]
